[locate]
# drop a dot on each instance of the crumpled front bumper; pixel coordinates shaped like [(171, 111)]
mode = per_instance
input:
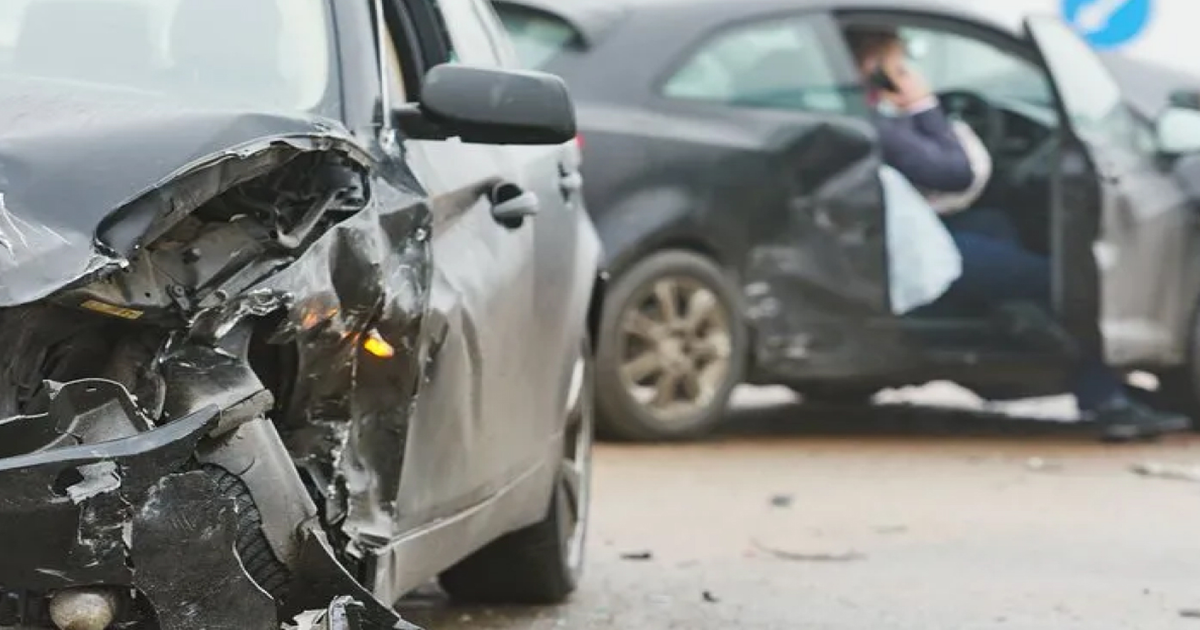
[(73, 502), (92, 494)]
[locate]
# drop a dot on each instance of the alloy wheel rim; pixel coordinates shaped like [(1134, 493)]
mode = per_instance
[(575, 498), (674, 349)]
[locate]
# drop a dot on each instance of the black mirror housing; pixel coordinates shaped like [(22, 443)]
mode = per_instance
[(490, 106)]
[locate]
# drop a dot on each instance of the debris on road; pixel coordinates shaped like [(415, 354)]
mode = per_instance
[(343, 613), (710, 598), (1190, 613), (1037, 464), (781, 501), (848, 556), (638, 556), (1174, 472)]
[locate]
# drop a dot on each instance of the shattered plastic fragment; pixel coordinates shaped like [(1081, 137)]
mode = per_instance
[(98, 478)]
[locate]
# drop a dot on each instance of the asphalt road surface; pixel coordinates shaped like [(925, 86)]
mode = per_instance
[(896, 518)]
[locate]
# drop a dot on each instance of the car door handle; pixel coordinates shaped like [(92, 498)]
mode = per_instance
[(511, 205), (570, 184)]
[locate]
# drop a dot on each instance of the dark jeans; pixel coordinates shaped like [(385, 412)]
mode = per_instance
[(997, 270)]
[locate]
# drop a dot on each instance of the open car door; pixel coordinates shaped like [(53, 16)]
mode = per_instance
[(1120, 222), (817, 276), (801, 169)]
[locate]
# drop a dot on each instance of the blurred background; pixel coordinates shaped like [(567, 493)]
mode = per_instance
[(859, 498)]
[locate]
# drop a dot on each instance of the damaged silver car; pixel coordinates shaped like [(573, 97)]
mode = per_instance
[(295, 310)]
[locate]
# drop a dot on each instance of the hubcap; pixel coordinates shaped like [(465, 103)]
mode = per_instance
[(574, 499), (675, 348)]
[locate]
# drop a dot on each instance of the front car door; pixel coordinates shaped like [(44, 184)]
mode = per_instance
[(467, 443), (564, 243), (799, 172), (1123, 225)]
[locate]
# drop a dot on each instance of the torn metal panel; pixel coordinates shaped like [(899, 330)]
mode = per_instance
[(102, 159), (350, 410), (817, 276), (320, 579), (343, 613)]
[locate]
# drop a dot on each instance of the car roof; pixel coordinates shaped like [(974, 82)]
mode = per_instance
[(592, 17)]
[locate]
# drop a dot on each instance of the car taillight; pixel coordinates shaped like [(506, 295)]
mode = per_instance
[(579, 140)]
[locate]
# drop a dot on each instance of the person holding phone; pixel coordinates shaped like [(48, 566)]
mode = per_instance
[(919, 141)]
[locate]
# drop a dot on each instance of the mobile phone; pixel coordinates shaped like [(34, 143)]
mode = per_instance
[(880, 79)]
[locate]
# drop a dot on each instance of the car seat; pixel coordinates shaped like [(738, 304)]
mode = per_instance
[(101, 42)]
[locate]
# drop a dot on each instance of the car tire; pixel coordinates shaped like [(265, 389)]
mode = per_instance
[(1179, 388), (253, 549), (687, 314), (541, 564)]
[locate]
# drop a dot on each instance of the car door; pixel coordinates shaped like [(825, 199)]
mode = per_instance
[(797, 173), (1119, 215), (564, 245), (467, 441)]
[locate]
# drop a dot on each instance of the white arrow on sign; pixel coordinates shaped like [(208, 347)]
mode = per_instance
[(1095, 16)]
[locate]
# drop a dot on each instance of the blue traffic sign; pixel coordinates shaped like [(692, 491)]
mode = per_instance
[(1108, 23)]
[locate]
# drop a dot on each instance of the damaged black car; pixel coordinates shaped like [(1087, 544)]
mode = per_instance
[(733, 173), (295, 312)]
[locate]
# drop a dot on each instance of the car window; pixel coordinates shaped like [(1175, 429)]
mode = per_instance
[(950, 61), (1091, 96), (537, 36), (470, 41), (501, 42), (274, 55), (779, 64)]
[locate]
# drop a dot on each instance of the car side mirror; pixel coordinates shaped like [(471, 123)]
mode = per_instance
[(1178, 131), (490, 106)]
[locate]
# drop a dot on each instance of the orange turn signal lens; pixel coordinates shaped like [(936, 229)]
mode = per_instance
[(378, 346)]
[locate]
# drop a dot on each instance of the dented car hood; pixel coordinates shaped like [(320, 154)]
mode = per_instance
[(74, 156)]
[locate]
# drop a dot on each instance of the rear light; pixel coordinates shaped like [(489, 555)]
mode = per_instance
[(579, 140)]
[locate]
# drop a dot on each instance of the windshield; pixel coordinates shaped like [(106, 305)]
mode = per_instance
[(1090, 94), (537, 37), (262, 54)]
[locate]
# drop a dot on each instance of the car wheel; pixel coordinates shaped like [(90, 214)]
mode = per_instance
[(1179, 388), (253, 549), (542, 563), (673, 345)]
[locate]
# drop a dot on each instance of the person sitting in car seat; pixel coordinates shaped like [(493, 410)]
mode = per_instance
[(919, 141)]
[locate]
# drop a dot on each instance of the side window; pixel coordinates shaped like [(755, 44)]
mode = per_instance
[(538, 37), (780, 64), (956, 62), (469, 38), (505, 49)]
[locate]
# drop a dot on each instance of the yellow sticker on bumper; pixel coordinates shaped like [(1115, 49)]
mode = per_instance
[(109, 309)]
